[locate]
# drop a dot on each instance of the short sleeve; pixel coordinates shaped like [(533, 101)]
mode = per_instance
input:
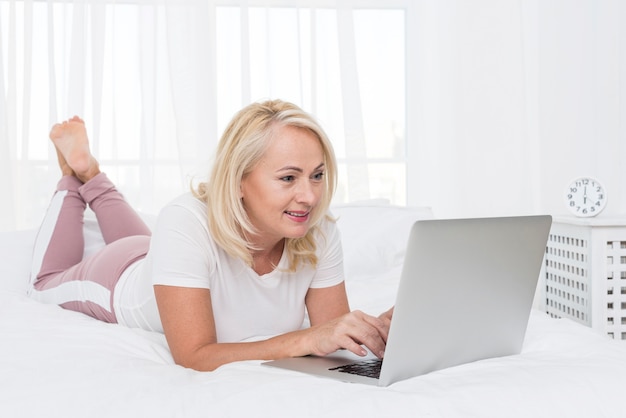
[(180, 249), (329, 271)]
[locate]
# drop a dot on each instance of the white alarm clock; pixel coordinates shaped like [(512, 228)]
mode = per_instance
[(585, 197)]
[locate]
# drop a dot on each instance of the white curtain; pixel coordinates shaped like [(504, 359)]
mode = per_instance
[(473, 108)]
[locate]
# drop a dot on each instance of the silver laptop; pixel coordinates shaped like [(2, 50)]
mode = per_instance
[(465, 294)]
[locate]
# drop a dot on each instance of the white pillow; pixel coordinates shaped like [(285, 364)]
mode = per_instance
[(16, 250), (374, 235)]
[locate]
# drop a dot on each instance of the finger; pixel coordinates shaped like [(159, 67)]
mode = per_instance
[(372, 334), (386, 317), (355, 348), (388, 314), (380, 324), (346, 339)]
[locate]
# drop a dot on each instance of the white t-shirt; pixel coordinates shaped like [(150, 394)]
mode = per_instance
[(245, 305)]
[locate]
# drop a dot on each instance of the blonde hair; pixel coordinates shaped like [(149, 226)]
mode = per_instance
[(240, 148)]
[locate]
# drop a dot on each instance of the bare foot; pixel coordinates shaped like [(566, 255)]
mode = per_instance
[(72, 145)]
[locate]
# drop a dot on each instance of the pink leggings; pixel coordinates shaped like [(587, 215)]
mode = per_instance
[(64, 277)]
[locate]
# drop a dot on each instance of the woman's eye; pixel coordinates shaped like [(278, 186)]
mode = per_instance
[(318, 176), (287, 178)]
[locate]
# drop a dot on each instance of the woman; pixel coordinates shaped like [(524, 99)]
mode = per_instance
[(232, 266)]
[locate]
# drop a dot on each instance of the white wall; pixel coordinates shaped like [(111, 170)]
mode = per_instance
[(581, 98), (512, 100)]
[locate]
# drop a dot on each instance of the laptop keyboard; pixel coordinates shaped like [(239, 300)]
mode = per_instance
[(367, 368)]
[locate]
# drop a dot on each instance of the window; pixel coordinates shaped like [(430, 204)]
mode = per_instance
[(349, 70), (158, 81)]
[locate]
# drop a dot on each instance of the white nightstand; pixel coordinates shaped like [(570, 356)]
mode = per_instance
[(585, 273)]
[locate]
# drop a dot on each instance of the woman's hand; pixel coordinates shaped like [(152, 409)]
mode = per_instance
[(351, 331), (334, 327)]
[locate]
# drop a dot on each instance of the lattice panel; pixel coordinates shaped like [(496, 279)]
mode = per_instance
[(616, 289), (585, 274), (568, 291)]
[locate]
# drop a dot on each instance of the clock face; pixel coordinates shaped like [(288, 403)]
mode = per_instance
[(585, 197)]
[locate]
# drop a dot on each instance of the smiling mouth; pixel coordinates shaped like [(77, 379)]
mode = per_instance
[(297, 215)]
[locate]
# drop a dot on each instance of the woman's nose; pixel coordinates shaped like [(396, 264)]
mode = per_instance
[(306, 193)]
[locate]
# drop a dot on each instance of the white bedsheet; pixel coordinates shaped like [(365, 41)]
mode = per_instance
[(58, 363)]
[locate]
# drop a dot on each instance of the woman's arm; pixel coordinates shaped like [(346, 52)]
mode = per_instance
[(187, 318)]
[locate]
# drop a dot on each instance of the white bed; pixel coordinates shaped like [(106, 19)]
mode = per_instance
[(55, 362)]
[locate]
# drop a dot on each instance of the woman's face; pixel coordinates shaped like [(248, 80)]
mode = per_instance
[(286, 184)]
